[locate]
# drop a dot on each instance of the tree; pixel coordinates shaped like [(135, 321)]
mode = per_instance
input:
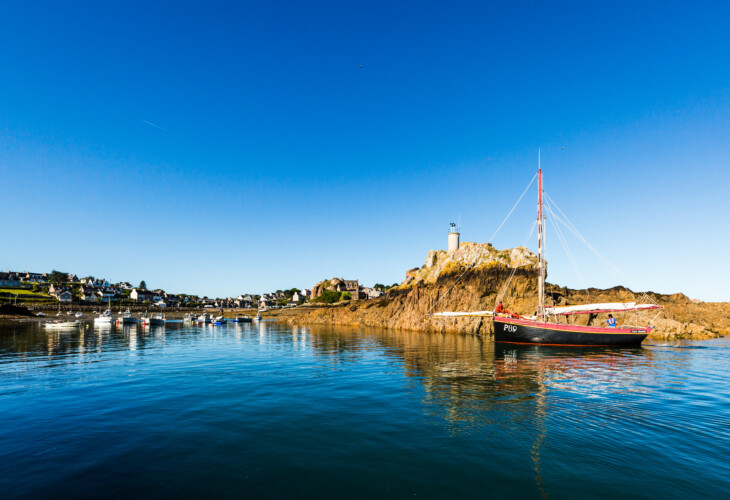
[(57, 277), (36, 288), (142, 285), (328, 297)]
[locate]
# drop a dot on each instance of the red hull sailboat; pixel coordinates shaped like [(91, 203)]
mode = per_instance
[(544, 327)]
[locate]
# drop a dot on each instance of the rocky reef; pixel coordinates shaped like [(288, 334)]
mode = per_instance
[(471, 279)]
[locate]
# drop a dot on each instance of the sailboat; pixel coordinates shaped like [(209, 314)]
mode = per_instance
[(544, 328), (105, 319)]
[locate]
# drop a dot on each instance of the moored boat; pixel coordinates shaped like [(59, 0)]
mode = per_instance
[(104, 319), (157, 319), (127, 319), (57, 325), (203, 318), (529, 331), (241, 319), (545, 327)]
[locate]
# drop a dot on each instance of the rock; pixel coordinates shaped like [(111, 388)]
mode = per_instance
[(473, 276)]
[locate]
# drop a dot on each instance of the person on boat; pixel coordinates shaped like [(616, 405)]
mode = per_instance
[(611, 321), (500, 309)]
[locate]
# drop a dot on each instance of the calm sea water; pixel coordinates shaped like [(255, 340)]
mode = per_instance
[(267, 411)]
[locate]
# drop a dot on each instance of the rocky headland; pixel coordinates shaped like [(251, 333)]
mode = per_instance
[(471, 279)]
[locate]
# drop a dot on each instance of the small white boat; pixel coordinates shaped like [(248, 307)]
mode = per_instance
[(188, 317), (41, 315), (203, 318), (58, 325), (79, 314), (104, 319)]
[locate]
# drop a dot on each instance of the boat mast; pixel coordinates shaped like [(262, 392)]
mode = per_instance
[(540, 237)]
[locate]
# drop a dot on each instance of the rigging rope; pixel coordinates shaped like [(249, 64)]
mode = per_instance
[(513, 208), (488, 241), (571, 227), (563, 241), (514, 269)]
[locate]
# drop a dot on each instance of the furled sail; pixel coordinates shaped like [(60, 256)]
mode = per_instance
[(447, 314), (607, 307)]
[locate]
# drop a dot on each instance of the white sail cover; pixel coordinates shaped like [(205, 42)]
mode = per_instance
[(447, 314), (605, 307)]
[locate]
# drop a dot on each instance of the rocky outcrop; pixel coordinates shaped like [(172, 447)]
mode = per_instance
[(474, 276), (472, 256), (332, 284)]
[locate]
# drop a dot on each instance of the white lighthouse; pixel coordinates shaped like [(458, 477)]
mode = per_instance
[(453, 238)]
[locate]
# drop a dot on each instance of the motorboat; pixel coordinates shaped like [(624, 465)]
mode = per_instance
[(41, 315), (189, 317), (79, 314), (220, 320), (241, 319), (104, 318), (203, 318), (127, 319), (157, 319), (60, 325)]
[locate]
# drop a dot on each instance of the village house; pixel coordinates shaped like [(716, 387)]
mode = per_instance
[(123, 286), (106, 294), (244, 301), (267, 300), (171, 299), (88, 295), (139, 295), (60, 293), (9, 280), (35, 277)]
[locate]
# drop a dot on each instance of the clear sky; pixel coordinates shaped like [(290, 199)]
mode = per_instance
[(220, 148)]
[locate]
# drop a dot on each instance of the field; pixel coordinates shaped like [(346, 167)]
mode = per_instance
[(24, 295)]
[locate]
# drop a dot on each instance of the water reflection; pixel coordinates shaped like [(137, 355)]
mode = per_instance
[(438, 405)]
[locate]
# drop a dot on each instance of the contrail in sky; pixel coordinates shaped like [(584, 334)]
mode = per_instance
[(153, 125)]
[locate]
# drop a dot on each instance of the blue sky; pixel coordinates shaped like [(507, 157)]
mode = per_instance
[(217, 148)]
